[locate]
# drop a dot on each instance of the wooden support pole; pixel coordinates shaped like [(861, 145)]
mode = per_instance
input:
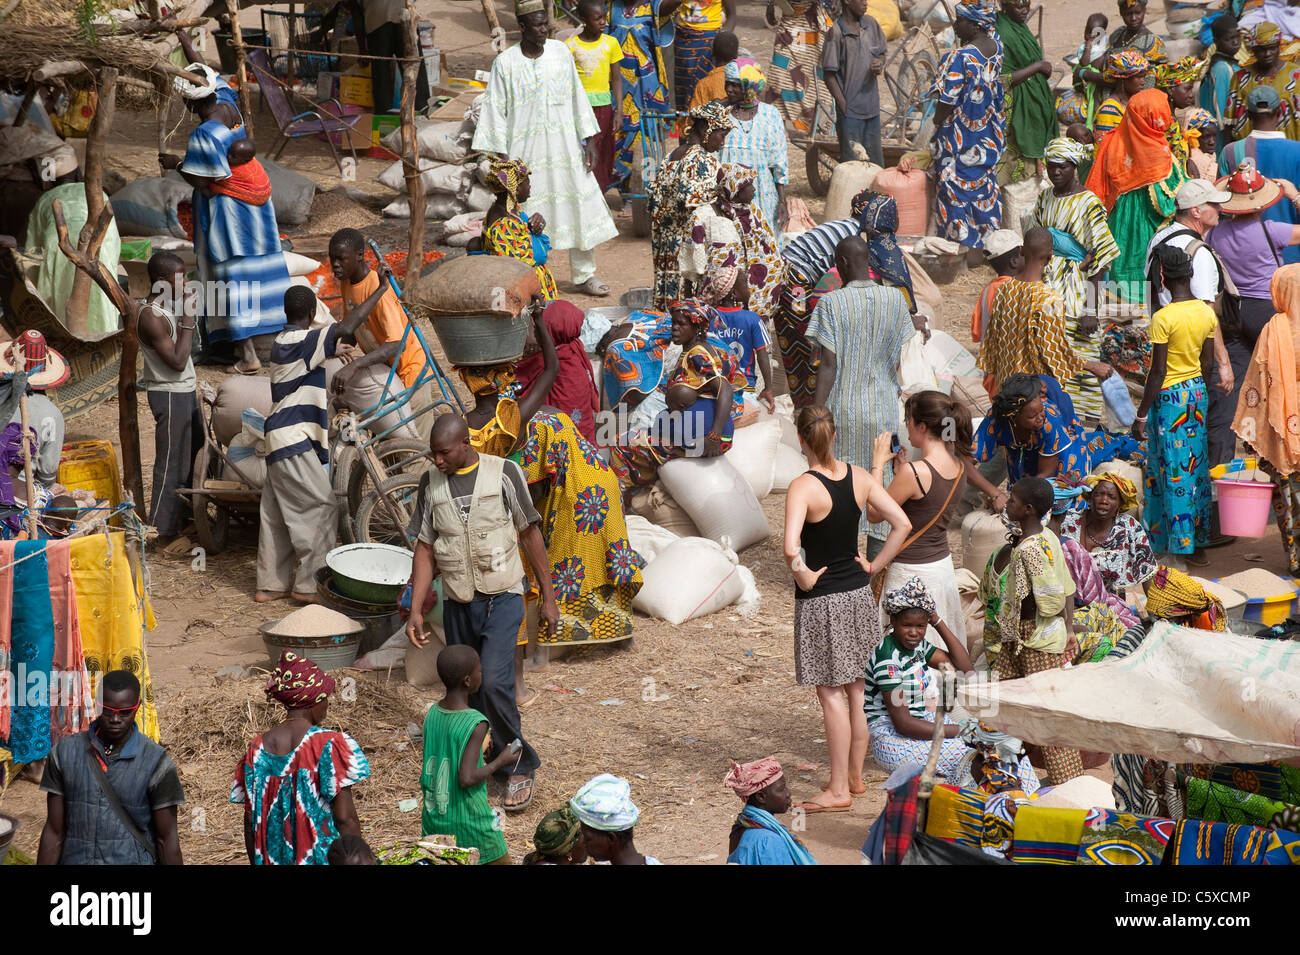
[(494, 25), (78, 304), (237, 41), (411, 66), (27, 471), (127, 421)]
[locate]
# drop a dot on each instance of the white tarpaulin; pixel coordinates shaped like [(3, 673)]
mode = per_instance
[(1187, 696)]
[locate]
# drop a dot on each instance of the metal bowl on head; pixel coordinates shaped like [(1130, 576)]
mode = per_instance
[(370, 573)]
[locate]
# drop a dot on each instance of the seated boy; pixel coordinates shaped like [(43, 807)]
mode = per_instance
[(454, 778), (364, 380), (742, 331), (248, 181), (686, 419)]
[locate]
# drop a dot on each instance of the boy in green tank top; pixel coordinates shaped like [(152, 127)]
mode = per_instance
[(454, 778)]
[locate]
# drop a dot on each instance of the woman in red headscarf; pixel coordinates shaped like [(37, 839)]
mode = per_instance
[(574, 390), (295, 780), (1135, 177)]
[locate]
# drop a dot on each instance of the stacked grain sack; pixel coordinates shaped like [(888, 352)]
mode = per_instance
[(453, 177)]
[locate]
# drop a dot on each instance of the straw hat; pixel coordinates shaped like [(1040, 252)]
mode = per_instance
[(1250, 191), (45, 367)]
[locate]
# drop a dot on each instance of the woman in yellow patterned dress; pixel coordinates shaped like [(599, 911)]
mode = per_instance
[(594, 570), (505, 230)]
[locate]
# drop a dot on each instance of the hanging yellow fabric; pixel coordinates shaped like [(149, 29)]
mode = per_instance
[(114, 613)]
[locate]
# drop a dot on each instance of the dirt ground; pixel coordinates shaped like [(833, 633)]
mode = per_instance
[(722, 687)]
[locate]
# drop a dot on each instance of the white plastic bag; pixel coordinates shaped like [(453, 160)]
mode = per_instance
[(441, 141), (789, 464), (718, 499), (246, 463), (692, 577), (299, 264), (750, 598), (438, 177), (647, 539), (753, 454), (658, 508), (914, 371), (439, 207), (982, 533)]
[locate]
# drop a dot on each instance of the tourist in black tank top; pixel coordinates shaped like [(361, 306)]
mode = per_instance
[(836, 620)]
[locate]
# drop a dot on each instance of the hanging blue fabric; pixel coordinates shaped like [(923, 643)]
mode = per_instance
[(31, 659)]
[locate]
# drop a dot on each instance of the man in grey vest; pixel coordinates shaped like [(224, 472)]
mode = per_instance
[(472, 515), (112, 791)]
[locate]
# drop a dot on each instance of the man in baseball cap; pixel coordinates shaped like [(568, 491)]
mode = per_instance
[(1197, 202), (1003, 248), (1199, 192)]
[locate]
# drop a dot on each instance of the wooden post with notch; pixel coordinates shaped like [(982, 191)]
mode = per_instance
[(77, 307), (237, 41), (411, 65)]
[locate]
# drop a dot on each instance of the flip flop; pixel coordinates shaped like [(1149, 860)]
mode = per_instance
[(593, 286), (512, 788), (812, 808)]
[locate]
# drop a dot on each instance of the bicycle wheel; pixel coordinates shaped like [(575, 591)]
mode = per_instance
[(397, 455), (211, 517), (820, 161), (916, 77), (343, 455), (374, 523)]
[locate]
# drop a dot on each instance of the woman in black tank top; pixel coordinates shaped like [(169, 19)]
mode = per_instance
[(836, 620)]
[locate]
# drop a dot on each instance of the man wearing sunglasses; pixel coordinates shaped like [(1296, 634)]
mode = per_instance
[(112, 791)]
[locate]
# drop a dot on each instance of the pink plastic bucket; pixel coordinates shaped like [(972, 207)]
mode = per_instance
[(1244, 507)]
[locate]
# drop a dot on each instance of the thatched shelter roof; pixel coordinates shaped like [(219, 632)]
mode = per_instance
[(37, 33)]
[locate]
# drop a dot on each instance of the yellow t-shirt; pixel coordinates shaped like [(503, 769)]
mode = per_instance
[(594, 61), (1184, 327), (700, 14)]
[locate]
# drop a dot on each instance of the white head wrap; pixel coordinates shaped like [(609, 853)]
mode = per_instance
[(605, 803), (205, 77)]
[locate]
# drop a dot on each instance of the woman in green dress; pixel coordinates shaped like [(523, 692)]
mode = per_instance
[(1135, 177)]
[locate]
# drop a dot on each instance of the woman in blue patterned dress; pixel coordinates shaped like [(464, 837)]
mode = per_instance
[(758, 141), (969, 128), (642, 28), (1033, 421)]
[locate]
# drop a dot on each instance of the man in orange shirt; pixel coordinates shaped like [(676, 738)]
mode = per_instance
[(361, 382)]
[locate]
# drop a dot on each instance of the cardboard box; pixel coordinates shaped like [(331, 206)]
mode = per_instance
[(355, 88), (358, 134), (454, 109), (327, 85)]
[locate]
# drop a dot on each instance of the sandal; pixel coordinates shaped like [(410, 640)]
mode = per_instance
[(593, 286), (811, 807), (522, 784)]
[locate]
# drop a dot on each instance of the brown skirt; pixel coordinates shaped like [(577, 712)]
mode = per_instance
[(834, 637)]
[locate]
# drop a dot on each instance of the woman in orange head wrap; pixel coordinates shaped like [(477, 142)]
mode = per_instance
[(1135, 177)]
